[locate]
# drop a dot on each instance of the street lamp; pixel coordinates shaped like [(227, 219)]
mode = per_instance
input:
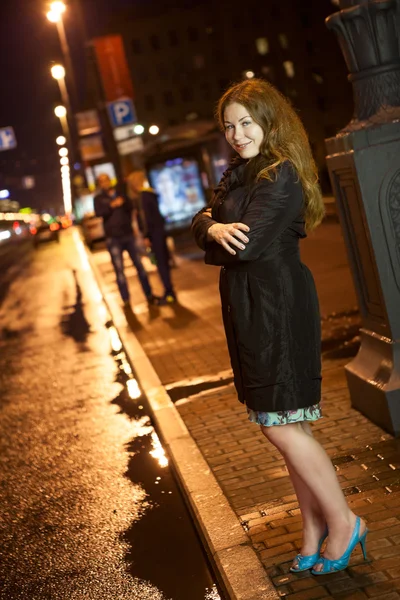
[(55, 15), (63, 152), (58, 72), (60, 111), (61, 140), (154, 129), (64, 161), (138, 129)]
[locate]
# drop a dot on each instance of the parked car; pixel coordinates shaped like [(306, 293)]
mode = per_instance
[(45, 232), (93, 230)]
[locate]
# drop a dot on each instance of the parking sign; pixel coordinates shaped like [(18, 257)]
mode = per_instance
[(122, 112), (8, 141)]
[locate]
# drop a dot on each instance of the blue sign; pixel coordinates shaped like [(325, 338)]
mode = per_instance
[(8, 141), (122, 112)]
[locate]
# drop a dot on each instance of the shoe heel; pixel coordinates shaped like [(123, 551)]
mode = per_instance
[(363, 544)]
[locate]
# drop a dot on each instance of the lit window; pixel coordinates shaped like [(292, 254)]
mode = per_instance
[(289, 68), (262, 45), (284, 42), (318, 78)]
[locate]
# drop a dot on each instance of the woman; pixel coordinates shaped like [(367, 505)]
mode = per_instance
[(267, 199)]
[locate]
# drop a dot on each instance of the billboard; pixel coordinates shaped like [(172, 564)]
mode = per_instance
[(113, 67), (91, 147), (178, 184), (87, 122)]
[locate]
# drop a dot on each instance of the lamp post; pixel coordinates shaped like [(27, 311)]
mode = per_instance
[(364, 167), (55, 15)]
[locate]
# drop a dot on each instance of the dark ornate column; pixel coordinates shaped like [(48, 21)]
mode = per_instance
[(364, 166)]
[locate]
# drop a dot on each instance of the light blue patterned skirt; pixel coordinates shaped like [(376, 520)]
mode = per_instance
[(283, 417)]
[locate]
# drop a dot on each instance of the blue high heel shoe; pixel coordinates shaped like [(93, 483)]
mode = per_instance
[(307, 562), (332, 566)]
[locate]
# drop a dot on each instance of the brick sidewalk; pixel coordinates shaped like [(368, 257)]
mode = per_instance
[(186, 345)]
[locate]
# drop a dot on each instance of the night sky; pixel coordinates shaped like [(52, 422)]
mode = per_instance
[(28, 46)]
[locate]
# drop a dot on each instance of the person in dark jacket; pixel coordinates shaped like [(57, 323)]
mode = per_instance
[(151, 224), (116, 211), (266, 201)]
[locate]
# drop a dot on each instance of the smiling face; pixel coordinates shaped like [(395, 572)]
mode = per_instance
[(241, 131)]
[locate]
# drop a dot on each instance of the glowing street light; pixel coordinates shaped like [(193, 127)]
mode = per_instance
[(154, 130), (64, 161), (63, 152), (56, 10), (53, 17), (58, 72), (58, 7), (61, 140), (138, 129), (60, 111)]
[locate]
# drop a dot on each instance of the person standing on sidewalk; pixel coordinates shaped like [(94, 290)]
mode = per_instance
[(116, 211), (151, 224), (266, 201)]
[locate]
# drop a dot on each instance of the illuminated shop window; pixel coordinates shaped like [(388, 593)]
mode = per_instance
[(289, 68), (283, 40), (262, 46)]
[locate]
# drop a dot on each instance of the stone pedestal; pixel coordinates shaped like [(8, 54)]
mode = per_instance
[(364, 166)]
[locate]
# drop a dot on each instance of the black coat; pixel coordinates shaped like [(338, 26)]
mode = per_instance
[(117, 221), (269, 302)]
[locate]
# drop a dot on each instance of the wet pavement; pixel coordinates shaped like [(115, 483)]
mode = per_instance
[(90, 508), (15, 258)]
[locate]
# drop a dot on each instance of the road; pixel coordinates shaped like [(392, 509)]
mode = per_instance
[(90, 508), (15, 258)]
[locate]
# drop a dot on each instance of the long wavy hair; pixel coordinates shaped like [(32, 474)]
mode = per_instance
[(284, 139)]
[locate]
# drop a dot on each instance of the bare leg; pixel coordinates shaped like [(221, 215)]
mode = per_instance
[(313, 467), (314, 523)]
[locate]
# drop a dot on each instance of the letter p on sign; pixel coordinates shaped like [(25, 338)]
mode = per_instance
[(122, 112)]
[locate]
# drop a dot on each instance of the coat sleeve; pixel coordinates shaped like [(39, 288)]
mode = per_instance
[(102, 207), (273, 206), (201, 223)]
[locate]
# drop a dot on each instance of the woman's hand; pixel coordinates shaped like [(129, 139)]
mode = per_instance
[(228, 235)]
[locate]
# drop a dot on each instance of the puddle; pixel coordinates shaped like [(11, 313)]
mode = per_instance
[(164, 547)]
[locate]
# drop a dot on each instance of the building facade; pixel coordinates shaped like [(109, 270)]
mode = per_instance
[(183, 56)]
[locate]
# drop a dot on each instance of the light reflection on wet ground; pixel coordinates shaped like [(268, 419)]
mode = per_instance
[(163, 510)]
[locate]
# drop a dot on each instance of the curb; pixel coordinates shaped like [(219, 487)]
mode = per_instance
[(226, 543)]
